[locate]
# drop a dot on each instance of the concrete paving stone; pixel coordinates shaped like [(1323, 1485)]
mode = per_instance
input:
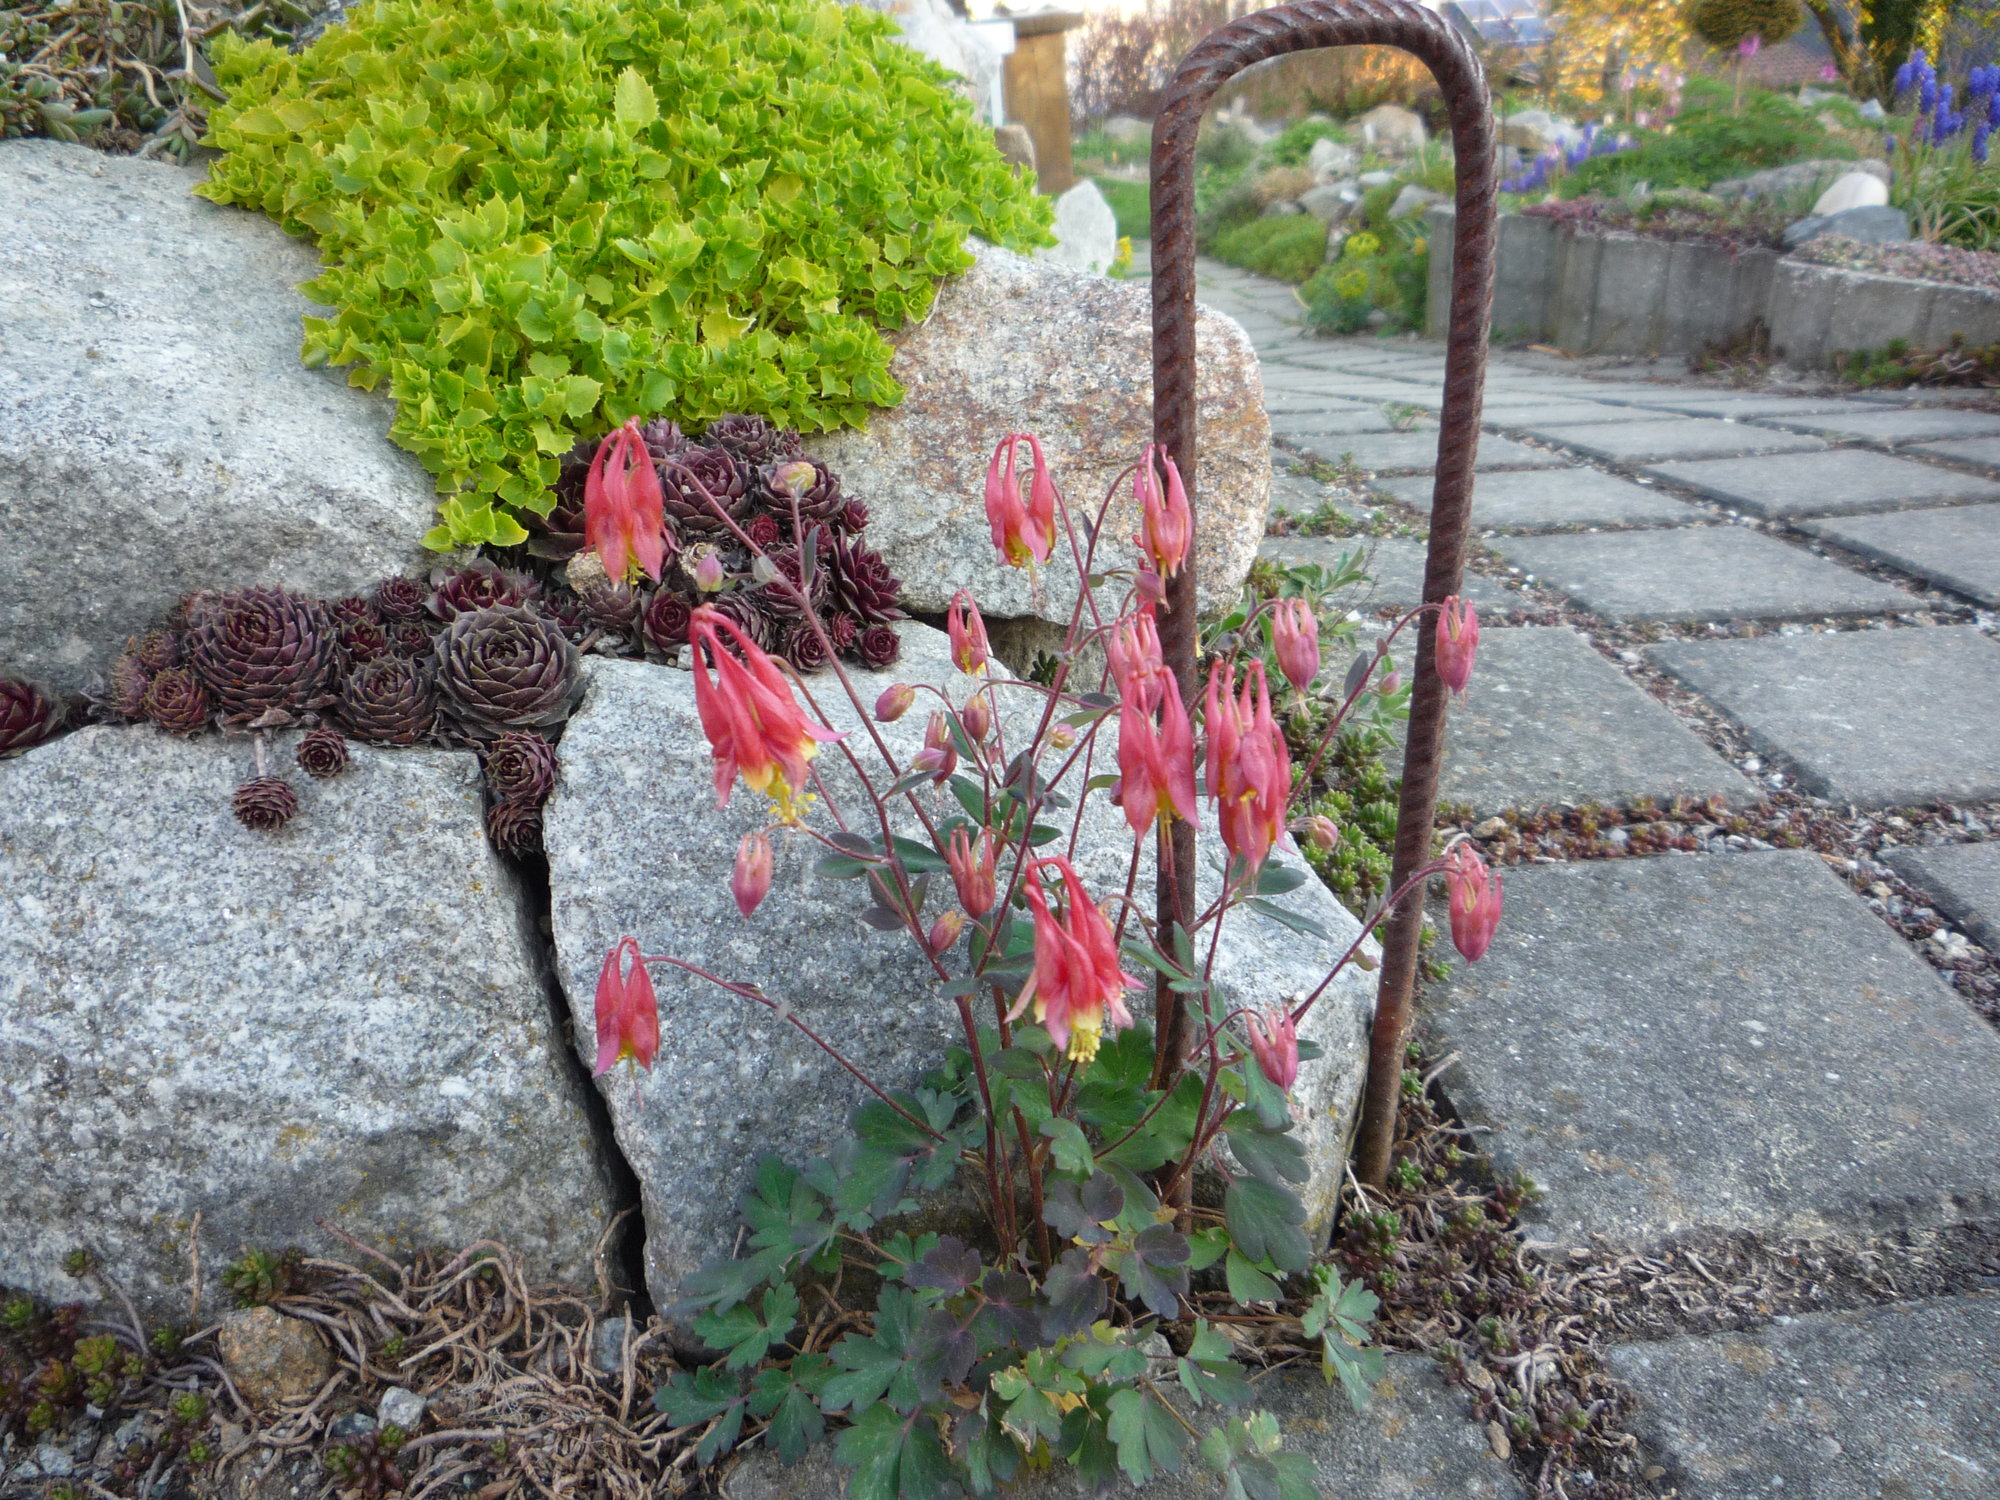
[(1895, 428), (1893, 1401), (1875, 718), (1920, 395), (1963, 882), (1513, 415), (1685, 1046), (1699, 402), (1415, 1441), (1646, 441), (1546, 719), (1983, 452), (1698, 574), (1304, 402), (1301, 495), (1837, 482), (1537, 499), (1416, 452), (1395, 568), (1956, 549), (1315, 429)]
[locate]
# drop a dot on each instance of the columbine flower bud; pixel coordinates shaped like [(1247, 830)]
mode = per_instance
[(939, 755), (1152, 589), (791, 479), (1475, 902), (977, 717), (752, 879), (1319, 830), (969, 649), (708, 573), (1391, 682), (945, 931), (1457, 641), (1295, 636), (1274, 1041), (1062, 737), (972, 869), (1166, 525), (894, 702)]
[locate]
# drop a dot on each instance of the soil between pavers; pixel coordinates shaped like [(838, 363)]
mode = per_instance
[(1542, 498), (1685, 1046), (1839, 481), (1963, 882), (1698, 574), (1956, 549), (1894, 1401), (1649, 441), (1876, 718), (1546, 719), (1416, 1439)]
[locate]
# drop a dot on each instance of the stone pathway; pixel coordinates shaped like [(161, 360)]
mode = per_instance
[(1731, 1047)]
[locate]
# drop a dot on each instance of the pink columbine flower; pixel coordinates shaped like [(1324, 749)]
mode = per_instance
[(755, 727), (1475, 897), (623, 519), (1249, 766), (939, 757), (1295, 637), (894, 703), (751, 881), (1077, 987), (969, 650), (628, 1014), (1155, 763), (972, 869), (1274, 1041), (1166, 524), (1457, 642), (1137, 665), (1023, 531)]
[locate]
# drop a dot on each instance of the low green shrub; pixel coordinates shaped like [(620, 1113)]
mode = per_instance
[(1708, 143), (1289, 248), (1294, 144), (1386, 270), (1131, 202), (541, 217)]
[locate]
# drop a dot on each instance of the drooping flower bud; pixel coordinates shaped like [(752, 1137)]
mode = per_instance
[(1457, 642), (628, 1014), (1319, 830), (945, 931), (894, 703), (1392, 682), (1152, 588), (1274, 1041), (1295, 637), (1166, 525), (1137, 665), (972, 869), (708, 573), (977, 718), (940, 754), (1062, 737), (969, 649), (1475, 899), (791, 479), (751, 881)]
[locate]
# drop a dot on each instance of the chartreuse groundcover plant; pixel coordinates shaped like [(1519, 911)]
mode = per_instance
[(541, 218), (1138, 1215)]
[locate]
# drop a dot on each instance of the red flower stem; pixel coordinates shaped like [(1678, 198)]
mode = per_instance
[(1002, 1207), (1340, 718), (1435, 867)]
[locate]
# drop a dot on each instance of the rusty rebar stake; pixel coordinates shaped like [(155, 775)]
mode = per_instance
[(1441, 48)]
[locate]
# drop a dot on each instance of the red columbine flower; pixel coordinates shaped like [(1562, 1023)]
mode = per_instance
[(1166, 525), (628, 1015), (750, 882), (1274, 1040), (1249, 768), (1137, 665), (939, 757), (1475, 901), (1077, 986), (755, 727), (1022, 532), (1457, 641), (622, 516), (969, 650), (1155, 765), (972, 869), (1295, 637)]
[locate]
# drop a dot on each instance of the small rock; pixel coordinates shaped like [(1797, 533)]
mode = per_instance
[(400, 1408), (1492, 828), (1877, 224), (1284, 208), (1376, 178), (353, 1424), (1536, 130), (1330, 159), (54, 1462), (1086, 230), (608, 1353), (1127, 130), (272, 1358), (1331, 202), (1413, 200), (127, 1433), (1392, 129), (1852, 190), (1496, 1439), (1015, 145), (1873, 112)]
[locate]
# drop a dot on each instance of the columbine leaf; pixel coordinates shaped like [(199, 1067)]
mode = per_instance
[(896, 1457), (706, 1396), (1155, 1269), (1285, 917), (948, 1266), (789, 1398), (1068, 1146), (1247, 1284), (1264, 1222), (1075, 1295), (1276, 1156), (1147, 1436), (747, 1333)]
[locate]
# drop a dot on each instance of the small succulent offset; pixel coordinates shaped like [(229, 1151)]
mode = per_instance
[(29, 714), (1081, 1131)]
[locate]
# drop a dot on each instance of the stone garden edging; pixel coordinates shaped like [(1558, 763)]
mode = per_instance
[(1622, 293)]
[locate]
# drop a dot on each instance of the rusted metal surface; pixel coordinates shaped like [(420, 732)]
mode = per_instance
[(1441, 48)]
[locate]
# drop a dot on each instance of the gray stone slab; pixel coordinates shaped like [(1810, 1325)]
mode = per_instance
[(1879, 718), (1684, 1046), (1890, 1401), (1962, 880), (1541, 498), (1697, 401), (1838, 482), (1510, 415), (1647, 441), (1984, 452), (1416, 452), (1895, 428), (1415, 1439), (1546, 719), (1315, 429), (1698, 574), (1395, 567), (1283, 399), (1956, 549)]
